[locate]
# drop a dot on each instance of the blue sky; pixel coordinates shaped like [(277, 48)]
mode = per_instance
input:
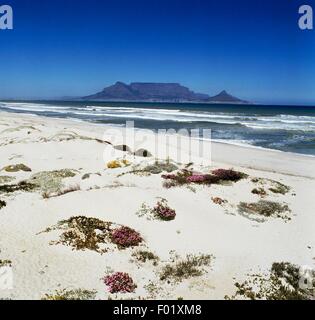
[(252, 49)]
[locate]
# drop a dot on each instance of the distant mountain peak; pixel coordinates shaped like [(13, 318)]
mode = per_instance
[(223, 96), (160, 92)]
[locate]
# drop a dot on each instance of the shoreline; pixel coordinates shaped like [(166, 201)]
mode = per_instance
[(283, 131), (218, 141), (220, 145)]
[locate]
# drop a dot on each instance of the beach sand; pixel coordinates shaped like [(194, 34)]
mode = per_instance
[(239, 245)]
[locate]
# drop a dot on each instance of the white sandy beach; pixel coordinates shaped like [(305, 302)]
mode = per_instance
[(239, 245)]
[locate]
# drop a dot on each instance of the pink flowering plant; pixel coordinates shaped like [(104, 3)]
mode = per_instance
[(160, 211), (163, 211), (119, 282), (126, 237), (186, 177)]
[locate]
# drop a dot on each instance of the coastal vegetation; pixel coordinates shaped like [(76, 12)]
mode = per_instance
[(50, 182), (119, 282), (282, 283), (83, 233), (191, 266), (264, 209), (16, 168), (188, 176), (21, 186), (145, 255), (5, 263), (161, 211), (272, 185), (74, 294), (155, 168)]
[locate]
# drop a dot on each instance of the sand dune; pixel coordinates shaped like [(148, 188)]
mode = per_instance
[(230, 243)]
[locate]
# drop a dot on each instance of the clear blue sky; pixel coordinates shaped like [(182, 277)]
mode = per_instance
[(253, 49)]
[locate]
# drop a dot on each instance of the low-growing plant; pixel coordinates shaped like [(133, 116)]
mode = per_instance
[(274, 186), (16, 168), (160, 211), (279, 187), (218, 200), (189, 267), (184, 177), (144, 256), (259, 191), (203, 179), (153, 289), (264, 209), (2, 204), (76, 294), (83, 233), (6, 179), (5, 263), (156, 168), (21, 186), (119, 282), (163, 211), (61, 192), (229, 174), (179, 178), (125, 237), (50, 182), (159, 167), (283, 283)]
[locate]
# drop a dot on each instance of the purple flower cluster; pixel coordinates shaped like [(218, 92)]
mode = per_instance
[(163, 211), (186, 176), (126, 237), (119, 282), (196, 178), (202, 178)]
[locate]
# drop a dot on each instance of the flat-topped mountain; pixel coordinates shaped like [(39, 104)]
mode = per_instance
[(160, 92)]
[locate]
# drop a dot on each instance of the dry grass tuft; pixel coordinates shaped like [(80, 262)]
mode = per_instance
[(189, 267), (264, 209), (77, 294)]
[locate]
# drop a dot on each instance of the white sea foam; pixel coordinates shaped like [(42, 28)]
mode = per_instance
[(255, 122)]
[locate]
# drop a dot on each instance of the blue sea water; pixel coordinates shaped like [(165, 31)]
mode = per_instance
[(285, 128)]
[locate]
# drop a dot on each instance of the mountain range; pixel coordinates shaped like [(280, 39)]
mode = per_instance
[(158, 92)]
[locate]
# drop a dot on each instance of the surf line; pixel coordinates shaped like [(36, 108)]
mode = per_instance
[(6, 17)]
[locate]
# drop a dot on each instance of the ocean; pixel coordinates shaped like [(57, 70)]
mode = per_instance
[(285, 128)]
